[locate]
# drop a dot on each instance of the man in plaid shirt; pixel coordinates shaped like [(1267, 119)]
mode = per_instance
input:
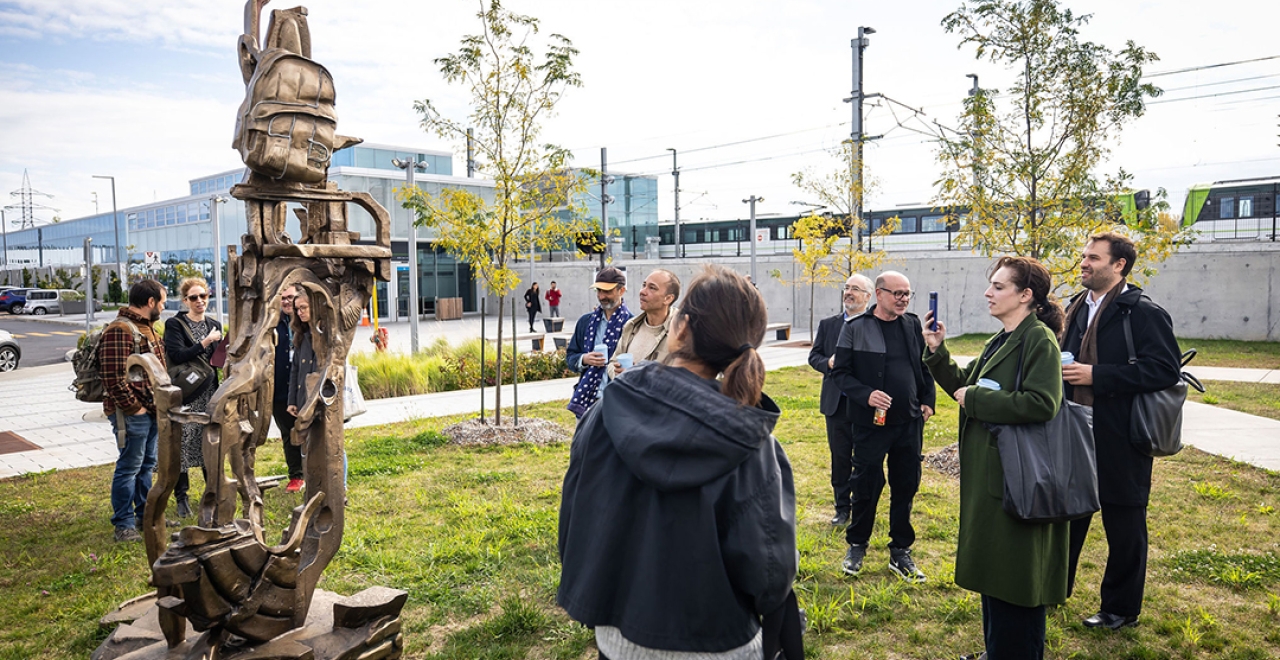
[(130, 405)]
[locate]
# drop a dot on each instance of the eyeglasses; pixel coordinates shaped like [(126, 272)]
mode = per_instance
[(287, 298), (197, 296), (898, 295), (854, 288)]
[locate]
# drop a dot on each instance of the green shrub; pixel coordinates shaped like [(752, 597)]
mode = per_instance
[(442, 367)]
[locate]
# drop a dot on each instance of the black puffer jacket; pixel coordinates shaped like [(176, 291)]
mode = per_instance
[(677, 519)]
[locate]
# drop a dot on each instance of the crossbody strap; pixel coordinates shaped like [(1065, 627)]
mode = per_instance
[(1128, 336)]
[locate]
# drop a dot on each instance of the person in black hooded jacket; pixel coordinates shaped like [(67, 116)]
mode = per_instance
[(677, 518)]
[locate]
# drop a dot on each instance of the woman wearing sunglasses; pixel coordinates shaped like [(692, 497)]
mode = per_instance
[(192, 336)]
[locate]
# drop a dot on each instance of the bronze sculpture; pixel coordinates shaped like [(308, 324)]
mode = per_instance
[(220, 579)]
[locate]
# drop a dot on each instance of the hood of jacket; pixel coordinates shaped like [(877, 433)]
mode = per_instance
[(675, 430)]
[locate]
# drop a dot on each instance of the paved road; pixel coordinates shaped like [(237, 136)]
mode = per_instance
[(42, 343)]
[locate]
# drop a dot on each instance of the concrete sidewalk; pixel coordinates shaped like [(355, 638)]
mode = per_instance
[(39, 407)]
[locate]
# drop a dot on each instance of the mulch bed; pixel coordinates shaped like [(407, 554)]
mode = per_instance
[(476, 431), (945, 460)]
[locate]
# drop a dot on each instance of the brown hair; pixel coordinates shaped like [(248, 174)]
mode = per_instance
[(1121, 247), (726, 317), (185, 285), (1031, 274), (142, 291), (295, 323)]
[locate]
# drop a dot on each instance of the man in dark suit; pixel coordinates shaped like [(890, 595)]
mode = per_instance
[(1103, 376), (833, 403), (879, 368)]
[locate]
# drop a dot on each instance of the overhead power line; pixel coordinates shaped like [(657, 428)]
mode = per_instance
[(1209, 96), (1211, 66)]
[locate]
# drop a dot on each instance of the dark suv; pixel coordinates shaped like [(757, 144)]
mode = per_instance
[(13, 300)]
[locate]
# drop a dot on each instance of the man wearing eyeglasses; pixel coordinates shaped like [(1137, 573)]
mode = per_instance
[(280, 395), (878, 366), (833, 404)]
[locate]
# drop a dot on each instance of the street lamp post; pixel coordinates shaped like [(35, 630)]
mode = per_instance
[(217, 255), (409, 166), (115, 221), (752, 235), (4, 228)]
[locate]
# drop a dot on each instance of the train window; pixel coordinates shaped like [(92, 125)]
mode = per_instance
[(933, 223), (908, 225), (1227, 207), (1246, 207), (690, 236)]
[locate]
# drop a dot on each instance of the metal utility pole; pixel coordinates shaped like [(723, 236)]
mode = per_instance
[(675, 172), (88, 284), (857, 136), (605, 200), (4, 232), (115, 221), (752, 201), (26, 202), (217, 255), (414, 310)]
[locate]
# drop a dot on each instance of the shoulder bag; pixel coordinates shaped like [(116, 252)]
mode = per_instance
[(1050, 468), (193, 375), (1155, 421)]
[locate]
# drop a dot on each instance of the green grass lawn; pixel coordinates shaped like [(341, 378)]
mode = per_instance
[(1209, 352), (471, 535), (1262, 399)]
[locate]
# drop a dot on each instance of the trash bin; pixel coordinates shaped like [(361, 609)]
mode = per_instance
[(554, 323)]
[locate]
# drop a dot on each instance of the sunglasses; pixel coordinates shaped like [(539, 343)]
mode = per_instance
[(197, 296)]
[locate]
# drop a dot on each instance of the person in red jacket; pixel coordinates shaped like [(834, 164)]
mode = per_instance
[(553, 301)]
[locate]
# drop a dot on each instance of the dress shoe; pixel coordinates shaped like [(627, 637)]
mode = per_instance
[(840, 519), (1111, 621)]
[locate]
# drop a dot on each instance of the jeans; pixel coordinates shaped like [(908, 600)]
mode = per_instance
[(132, 478)]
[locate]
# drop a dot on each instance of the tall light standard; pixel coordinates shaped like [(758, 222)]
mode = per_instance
[(4, 227), (409, 166), (675, 172), (217, 254), (856, 98), (752, 235), (115, 220)]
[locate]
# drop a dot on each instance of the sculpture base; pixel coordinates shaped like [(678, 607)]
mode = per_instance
[(365, 626)]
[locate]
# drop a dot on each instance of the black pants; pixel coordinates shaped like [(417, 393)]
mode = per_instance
[(1012, 632), (901, 443), (1125, 577), (532, 314), (183, 487), (292, 452), (840, 440)]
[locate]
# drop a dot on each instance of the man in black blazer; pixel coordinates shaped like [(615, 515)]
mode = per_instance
[(1103, 376), (833, 403), (879, 368)]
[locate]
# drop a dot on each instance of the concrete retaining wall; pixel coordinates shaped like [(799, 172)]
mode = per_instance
[(1227, 291)]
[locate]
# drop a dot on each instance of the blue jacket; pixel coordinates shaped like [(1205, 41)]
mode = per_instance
[(581, 344)]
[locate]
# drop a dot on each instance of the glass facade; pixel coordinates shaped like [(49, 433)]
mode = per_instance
[(379, 157), (633, 215), (218, 183)]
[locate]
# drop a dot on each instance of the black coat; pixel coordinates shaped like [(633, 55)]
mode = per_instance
[(860, 363), (677, 516), (1124, 474), (179, 347), (824, 346), (532, 303)]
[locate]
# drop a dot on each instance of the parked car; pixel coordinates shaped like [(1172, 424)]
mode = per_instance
[(13, 300), (52, 301), (9, 351)]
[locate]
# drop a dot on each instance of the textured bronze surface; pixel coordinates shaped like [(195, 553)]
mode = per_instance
[(221, 578)]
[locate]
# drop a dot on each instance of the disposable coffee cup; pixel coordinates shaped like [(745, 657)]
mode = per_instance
[(624, 360), (1067, 358), (602, 349), (988, 383)]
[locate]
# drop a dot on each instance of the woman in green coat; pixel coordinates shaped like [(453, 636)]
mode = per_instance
[(1019, 568)]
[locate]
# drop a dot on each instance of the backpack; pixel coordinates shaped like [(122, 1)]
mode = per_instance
[(88, 383)]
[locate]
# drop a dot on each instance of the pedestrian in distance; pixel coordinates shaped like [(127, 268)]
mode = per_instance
[(677, 519), (130, 405), (832, 403), (532, 304), (1017, 567), (191, 336), (891, 396), (553, 300), (1103, 376)]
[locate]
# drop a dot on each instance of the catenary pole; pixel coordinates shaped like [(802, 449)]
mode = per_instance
[(752, 201), (675, 172)]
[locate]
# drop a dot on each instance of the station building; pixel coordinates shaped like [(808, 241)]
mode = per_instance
[(181, 230)]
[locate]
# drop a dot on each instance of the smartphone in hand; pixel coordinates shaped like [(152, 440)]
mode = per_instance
[(933, 307)]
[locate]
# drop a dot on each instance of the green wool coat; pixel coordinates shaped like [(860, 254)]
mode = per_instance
[(1020, 563)]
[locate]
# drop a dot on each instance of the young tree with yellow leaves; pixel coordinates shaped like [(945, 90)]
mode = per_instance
[(1026, 162), (512, 92)]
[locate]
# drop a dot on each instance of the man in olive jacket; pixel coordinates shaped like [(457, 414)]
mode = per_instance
[(878, 367), (1103, 377)]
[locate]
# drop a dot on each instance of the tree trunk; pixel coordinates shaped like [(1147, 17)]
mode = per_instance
[(812, 286)]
